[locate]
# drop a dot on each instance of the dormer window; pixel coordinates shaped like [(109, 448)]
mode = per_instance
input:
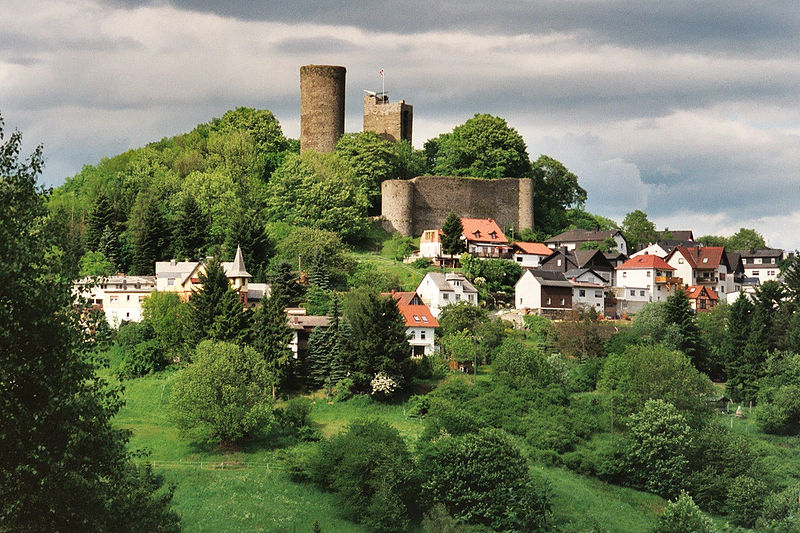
[(424, 318), (493, 235), (477, 234)]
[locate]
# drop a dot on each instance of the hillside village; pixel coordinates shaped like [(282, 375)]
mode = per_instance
[(343, 333)]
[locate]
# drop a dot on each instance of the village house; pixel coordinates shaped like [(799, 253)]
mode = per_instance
[(420, 323), (301, 326), (572, 239), (701, 298), (705, 265), (544, 292), (120, 297), (643, 279), (183, 277), (438, 290), (563, 261), (430, 243), (484, 238), (762, 264), (530, 254)]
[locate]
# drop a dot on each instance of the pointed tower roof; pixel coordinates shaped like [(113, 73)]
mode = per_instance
[(235, 269)]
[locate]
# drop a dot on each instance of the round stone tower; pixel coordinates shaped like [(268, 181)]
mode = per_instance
[(397, 205), (321, 107)]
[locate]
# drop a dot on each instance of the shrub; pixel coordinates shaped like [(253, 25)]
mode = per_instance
[(142, 354), (656, 456), (781, 512), (683, 516), (745, 500), (421, 263), (369, 466), (482, 478), (225, 395), (520, 366), (294, 418)]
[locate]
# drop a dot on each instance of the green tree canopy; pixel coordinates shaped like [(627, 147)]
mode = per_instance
[(320, 191), (372, 158), (95, 264), (484, 146), (378, 340), (482, 478), (652, 371), (63, 466), (224, 395), (638, 229), (682, 515), (557, 190), (271, 336)]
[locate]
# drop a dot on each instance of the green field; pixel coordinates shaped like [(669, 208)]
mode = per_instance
[(246, 489)]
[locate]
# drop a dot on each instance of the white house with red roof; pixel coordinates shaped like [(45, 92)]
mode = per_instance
[(701, 298), (530, 254), (484, 238), (643, 279), (706, 265), (439, 289), (420, 323)]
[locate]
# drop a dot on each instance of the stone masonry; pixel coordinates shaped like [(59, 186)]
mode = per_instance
[(393, 122), (322, 89), (411, 206)]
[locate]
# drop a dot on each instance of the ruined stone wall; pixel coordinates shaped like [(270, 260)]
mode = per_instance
[(409, 207), (393, 122), (322, 89)]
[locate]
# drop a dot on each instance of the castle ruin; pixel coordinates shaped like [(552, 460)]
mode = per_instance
[(393, 122), (412, 206), (322, 89)]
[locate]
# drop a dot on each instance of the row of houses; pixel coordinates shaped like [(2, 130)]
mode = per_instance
[(564, 273)]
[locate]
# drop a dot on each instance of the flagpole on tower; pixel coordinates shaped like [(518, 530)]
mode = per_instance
[(383, 84)]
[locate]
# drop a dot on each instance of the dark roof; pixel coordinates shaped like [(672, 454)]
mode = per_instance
[(551, 278), (762, 252), (582, 235), (677, 234)]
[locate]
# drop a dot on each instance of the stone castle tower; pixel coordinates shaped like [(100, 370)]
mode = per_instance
[(322, 89), (393, 122)]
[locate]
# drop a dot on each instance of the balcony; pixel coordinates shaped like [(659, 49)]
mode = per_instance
[(707, 280), (668, 280)]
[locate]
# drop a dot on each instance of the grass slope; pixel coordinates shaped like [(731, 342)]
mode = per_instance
[(246, 489)]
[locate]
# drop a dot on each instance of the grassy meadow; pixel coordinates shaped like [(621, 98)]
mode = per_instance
[(246, 488)]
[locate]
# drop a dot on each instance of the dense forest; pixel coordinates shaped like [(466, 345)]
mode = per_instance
[(639, 418)]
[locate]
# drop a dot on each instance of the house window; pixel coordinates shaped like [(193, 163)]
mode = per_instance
[(458, 297), (702, 304), (680, 260), (424, 318), (114, 299), (445, 296), (520, 301), (598, 294), (641, 293), (772, 261), (422, 335), (633, 293), (705, 260), (519, 259), (416, 318), (128, 297), (624, 274), (548, 301), (649, 273), (770, 272), (754, 273), (171, 282), (562, 301), (558, 263), (582, 293), (469, 297)]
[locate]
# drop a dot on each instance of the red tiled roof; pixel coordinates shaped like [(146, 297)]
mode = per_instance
[(697, 290), (536, 248), (483, 230), (415, 314), (703, 257), (645, 262)]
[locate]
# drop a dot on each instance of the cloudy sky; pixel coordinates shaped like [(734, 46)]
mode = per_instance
[(687, 110)]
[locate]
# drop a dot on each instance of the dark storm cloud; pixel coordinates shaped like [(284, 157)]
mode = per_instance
[(736, 26)]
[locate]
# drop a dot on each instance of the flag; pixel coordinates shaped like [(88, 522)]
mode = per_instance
[(381, 73)]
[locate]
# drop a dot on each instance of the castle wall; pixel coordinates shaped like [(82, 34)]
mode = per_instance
[(322, 89), (409, 207), (393, 122)]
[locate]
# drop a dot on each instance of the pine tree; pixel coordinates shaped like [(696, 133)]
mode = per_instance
[(148, 232), (231, 322), (110, 247), (101, 217), (190, 230), (378, 340), (678, 311), (247, 230), (320, 349), (205, 304), (747, 366), (271, 336), (285, 282), (452, 229)]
